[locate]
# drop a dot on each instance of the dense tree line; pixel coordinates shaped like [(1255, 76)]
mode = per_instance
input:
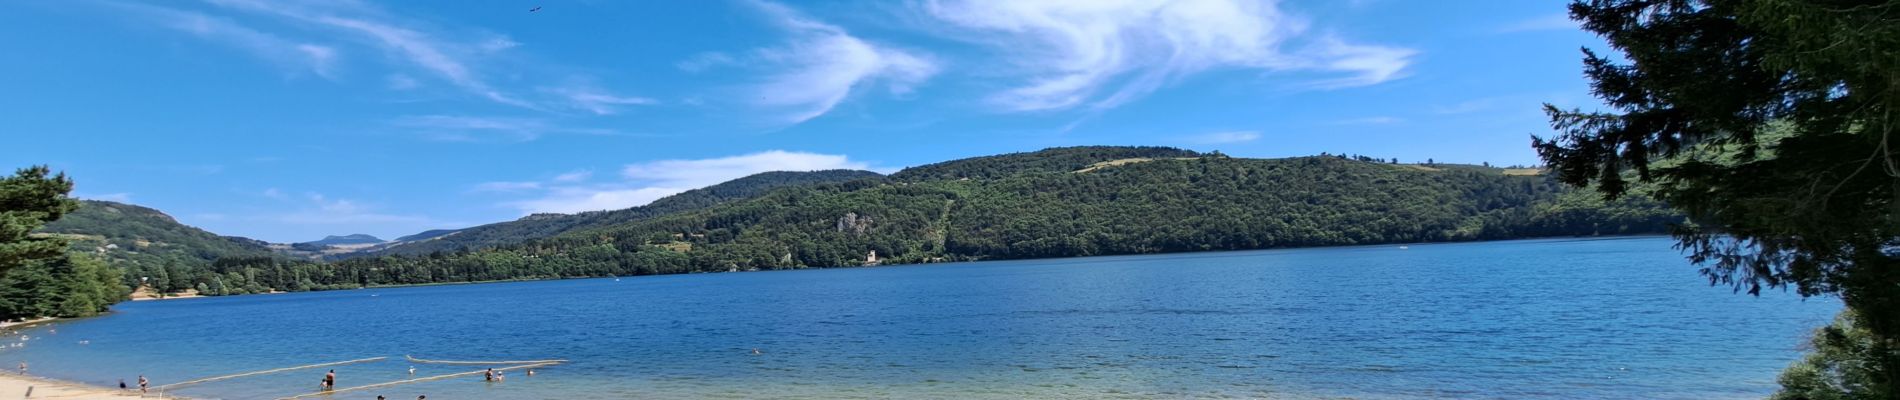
[(1087, 203), (1769, 123), (545, 225), (1161, 205), (73, 285), (41, 277)]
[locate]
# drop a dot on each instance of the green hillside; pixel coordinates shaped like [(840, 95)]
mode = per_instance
[(1018, 207), (545, 225), (139, 242), (1054, 203), (1060, 159), (131, 236)]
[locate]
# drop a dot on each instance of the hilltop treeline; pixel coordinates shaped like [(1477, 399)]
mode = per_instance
[(1155, 205), (1063, 202)]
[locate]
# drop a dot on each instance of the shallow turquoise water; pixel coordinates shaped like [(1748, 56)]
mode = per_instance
[(1618, 318)]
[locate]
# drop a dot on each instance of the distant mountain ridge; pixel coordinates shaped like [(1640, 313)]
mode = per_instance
[(333, 240), (426, 235)]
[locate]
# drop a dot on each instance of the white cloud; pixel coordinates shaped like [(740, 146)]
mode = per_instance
[(275, 194), (569, 200), (595, 100), (504, 186), (297, 56), (1225, 137), (479, 128), (703, 61), (823, 64), (648, 181), (1103, 53), (447, 60), (704, 172), (575, 176), (1553, 22)]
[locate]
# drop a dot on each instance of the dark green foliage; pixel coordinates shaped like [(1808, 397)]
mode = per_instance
[(426, 235), (837, 219), (545, 225), (1054, 160), (28, 200), (75, 285), (1842, 366), (1164, 205), (138, 235), (1770, 124)]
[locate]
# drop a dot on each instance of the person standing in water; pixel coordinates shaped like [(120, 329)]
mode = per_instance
[(489, 375), (329, 380), (143, 384)]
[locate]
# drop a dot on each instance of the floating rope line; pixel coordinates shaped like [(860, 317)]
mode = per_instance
[(272, 371), (422, 361), (409, 381)]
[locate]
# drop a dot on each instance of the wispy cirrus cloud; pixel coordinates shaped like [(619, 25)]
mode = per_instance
[(1104, 53), (594, 100), (423, 52), (506, 186), (647, 181), (819, 66), (469, 128), (575, 176), (296, 56)]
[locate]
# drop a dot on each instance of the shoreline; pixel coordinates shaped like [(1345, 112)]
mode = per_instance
[(1175, 253), (49, 388), (26, 323)]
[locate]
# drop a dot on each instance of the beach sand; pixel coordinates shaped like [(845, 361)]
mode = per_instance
[(15, 385)]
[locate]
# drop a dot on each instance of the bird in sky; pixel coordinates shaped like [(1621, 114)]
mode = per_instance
[(536, 8)]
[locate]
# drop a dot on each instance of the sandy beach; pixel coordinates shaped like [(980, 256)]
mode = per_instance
[(15, 385)]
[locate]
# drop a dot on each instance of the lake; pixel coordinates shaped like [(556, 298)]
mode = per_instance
[(1604, 318)]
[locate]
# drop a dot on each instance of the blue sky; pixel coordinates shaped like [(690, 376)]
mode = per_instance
[(291, 120)]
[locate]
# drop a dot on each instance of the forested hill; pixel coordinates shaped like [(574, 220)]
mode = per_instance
[(1096, 201), (545, 225), (1060, 159), (135, 242), (1054, 203), (130, 236)]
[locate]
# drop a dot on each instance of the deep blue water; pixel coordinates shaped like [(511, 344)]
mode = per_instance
[(1619, 318)]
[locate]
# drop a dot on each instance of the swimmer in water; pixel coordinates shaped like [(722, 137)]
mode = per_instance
[(755, 351)]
